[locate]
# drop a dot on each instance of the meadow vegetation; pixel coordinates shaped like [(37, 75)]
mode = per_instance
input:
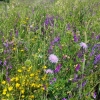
[(50, 50)]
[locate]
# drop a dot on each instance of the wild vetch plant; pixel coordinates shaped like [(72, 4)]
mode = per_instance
[(50, 50)]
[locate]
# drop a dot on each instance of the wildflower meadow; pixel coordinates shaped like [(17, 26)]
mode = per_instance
[(50, 50)]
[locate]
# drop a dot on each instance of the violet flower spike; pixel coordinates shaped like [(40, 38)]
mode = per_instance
[(57, 69), (77, 67), (75, 38), (97, 59), (84, 83)]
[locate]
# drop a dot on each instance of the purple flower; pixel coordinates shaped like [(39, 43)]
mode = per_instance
[(77, 67), (84, 83), (53, 80), (96, 46), (5, 63), (56, 39), (94, 95), (98, 37), (8, 79), (75, 77), (49, 21), (53, 58), (83, 45), (49, 71), (97, 59), (64, 99), (57, 69), (75, 38), (0, 62), (6, 44)]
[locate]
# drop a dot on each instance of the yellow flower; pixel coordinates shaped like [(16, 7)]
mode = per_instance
[(17, 85), (19, 70), (3, 82), (12, 79), (31, 96), (38, 85), (31, 75), (14, 49), (32, 85), (7, 95), (27, 18), (44, 77), (23, 67), (23, 96), (5, 89), (22, 91), (4, 93), (3, 99), (16, 79), (43, 88), (22, 50), (29, 69), (10, 88), (44, 67)]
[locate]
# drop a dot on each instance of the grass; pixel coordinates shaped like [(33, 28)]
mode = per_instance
[(31, 31)]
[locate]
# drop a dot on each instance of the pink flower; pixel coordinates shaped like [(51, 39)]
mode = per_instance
[(83, 45), (53, 58), (49, 71)]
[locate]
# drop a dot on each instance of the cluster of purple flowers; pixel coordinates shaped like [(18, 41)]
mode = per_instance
[(95, 51), (97, 59), (49, 21)]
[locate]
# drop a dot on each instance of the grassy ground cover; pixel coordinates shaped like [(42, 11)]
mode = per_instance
[(50, 50)]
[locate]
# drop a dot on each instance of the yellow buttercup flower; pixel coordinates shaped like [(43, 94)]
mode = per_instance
[(31, 96), (44, 67), (4, 91), (22, 91), (3, 82), (10, 88), (23, 67), (22, 50), (16, 79), (14, 49), (12, 79), (17, 85), (31, 75), (32, 85), (7, 95), (19, 70), (23, 96)]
